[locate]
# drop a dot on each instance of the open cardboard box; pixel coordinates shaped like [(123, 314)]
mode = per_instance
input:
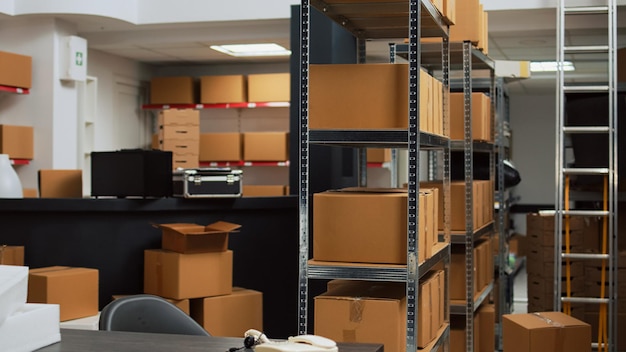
[(193, 238)]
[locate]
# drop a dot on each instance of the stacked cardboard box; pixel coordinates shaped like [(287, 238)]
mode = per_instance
[(480, 117), (484, 334), (17, 141), (15, 70), (540, 262), (226, 146), (471, 24), (11, 255), (179, 133), (172, 90), (223, 89), (545, 331), (172, 272), (482, 271), (269, 87), (369, 312)]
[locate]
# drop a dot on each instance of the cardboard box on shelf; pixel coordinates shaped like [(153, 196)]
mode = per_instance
[(378, 155), (30, 193), (17, 141), (487, 320), (269, 87), (181, 146), (185, 161), (358, 96), (193, 238), (230, 315), (179, 132), (11, 255), (545, 269), (457, 335), (457, 275), (223, 89), (74, 289), (179, 117), (457, 204), (266, 146), (176, 275), (545, 331), (426, 101), (172, 90), (480, 116), (221, 146), (15, 70), (468, 23), (60, 183), (449, 11), (263, 190)]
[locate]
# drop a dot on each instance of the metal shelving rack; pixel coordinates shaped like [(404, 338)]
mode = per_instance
[(374, 20)]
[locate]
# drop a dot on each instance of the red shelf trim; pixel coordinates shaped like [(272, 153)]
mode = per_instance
[(14, 90), (20, 161), (277, 104)]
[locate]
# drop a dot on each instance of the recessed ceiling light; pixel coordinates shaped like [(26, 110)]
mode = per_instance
[(249, 50), (550, 66)]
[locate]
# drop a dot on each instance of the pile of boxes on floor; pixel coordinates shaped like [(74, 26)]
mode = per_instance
[(585, 276)]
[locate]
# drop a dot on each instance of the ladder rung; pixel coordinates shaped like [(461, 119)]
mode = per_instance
[(587, 49), (586, 10), (586, 171), (586, 129), (583, 89), (585, 212), (596, 345), (587, 256), (585, 300)]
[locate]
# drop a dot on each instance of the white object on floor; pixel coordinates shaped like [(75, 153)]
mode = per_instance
[(87, 323), (31, 327), (13, 289)]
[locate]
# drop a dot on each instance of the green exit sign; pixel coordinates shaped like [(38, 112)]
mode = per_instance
[(79, 58)]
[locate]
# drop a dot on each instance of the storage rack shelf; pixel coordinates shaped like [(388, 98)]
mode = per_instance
[(14, 90), (459, 307), (216, 106), (374, 20), (457, 237)]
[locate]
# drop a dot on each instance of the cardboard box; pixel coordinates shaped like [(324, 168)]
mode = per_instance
[(545, 331), (221, 147), (75, 290), (481, 117), (185, 161), (182, 304), (17, 141), (359, 96), (378, 155), (30, 193), (449, 11), (266, 146), (467, 23), (540, 230), (457, 204), (176, 275), (457, 336), (15, 70), (269, 87), (179, 117), (487, 321), (457, 275), (230, 315), (193, 238), (179, 132), (348, 226), (223, 89), (172, 90), (12, 255), (60, 183), (181, 146), (263, 190), (426, 101)]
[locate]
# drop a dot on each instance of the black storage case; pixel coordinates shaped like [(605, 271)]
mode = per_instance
[(207, 183), (131, 173)]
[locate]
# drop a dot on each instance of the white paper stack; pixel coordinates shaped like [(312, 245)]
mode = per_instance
[(24, 327), (87, 323)]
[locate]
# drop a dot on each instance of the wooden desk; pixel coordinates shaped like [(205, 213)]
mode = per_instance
[(106, 341)]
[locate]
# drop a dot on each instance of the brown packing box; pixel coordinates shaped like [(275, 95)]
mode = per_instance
[(172, 90), (543, 269), (481, 117), (189, 132), (457, 204), (421, 231), (487, 321), (60, 183), (176, 275), (30, 193), (17, 141), (457, 275), (546, 254), (179, 117), (181, 146), (426, 101), (15, 70), (437, 107), (428, 305), (467, 24), (182, 304), (457, 336), (75, 290), (221, 147), (594, 274), (358, 96), (538, 287), (269, 87), (223, 89), (545, 331), (185, 161), (230, 315), (266, 146), (12, 255), (263, 190), (193, 238), (540, 229), (378, 155), (449, 11)]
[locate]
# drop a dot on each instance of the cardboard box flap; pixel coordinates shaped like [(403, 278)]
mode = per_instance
[(369, 190), (223, 226), (183, 228), (367, 290), (56, 271)]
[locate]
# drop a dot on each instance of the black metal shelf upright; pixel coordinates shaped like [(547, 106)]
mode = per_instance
[(411, 19)]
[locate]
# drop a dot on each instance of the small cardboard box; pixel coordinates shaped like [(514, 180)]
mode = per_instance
[(15, 70), (221, 146), (179, 117), (266, 146), (230, 315), (378, 155), (74, 289), (177, 276), (263, 190), (457, 275), (181, 146), (17, 141), (269, 87), (481, 116), (223, 89), (359, 96), (467, 22), (179, 132), (30, 193), (60, 183), (172, 90), (185, 161), (11, 255), (545, 331), (487, 320), (193, 238), (457, 204)]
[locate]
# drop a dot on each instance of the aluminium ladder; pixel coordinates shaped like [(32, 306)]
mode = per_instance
[(565, 208)]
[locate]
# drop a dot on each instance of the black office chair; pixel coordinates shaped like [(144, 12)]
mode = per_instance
[(148, 313)]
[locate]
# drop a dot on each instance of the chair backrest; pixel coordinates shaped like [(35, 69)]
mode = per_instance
[(148, 313)]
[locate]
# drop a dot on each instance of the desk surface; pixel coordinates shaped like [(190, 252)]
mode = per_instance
[(101, 341)]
